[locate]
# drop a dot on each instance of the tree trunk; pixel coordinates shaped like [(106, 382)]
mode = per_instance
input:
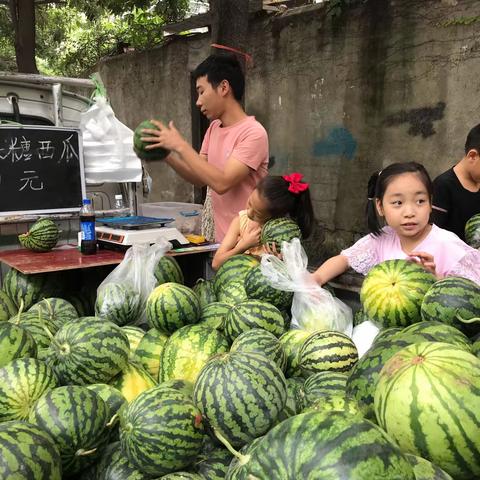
[(230, 24), (23, 19)]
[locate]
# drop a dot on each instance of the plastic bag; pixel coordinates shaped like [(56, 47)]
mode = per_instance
[(122, 296), (363, 336), (108, 153), (313, 307)]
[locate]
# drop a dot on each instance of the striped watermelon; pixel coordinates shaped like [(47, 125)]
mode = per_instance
[(205, 292), (324, 445), (295, 399), (241, 395), (253, 314), (324, 383), (134, 336), (452, 299), (212, 462), (28, 453), (427, 399), (234, 269), (188, 350), (118, 302), (472, 231), (55, 310), (183, 476), (392, 292), (132, 381), (257, 288), (7, 307), (292, 341), (76, 418), (42, 236), (15, 342), (161, 431), (22, 382), (182, 386), (327, 351), (232, 293), (213, 315), (41, 329), (425, 470), (149, 351), (139, 145), (88, 350), (110, 395), (260, 341), (171, 306), (168, 270), (334, 402), (278, 230), (387, 333)]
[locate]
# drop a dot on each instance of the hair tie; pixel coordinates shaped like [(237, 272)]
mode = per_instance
[(296, 186), (370, 199), (248, 58)]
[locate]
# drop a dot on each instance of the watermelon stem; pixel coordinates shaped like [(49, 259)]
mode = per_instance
[(243, 459), (112, 421), (470, 320), (49, 307), (83, 453)]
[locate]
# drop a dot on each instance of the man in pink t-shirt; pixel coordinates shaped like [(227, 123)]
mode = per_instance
[(234, 153)]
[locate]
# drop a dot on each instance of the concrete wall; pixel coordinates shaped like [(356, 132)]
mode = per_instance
[(389, 81)]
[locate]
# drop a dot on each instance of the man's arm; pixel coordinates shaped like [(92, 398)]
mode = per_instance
[(184, 170), (194, 166)]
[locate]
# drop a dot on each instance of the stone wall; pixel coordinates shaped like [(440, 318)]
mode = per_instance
[(389, 81)]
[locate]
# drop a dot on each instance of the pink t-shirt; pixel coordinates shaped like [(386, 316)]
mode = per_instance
[(247, 142), (452, 256)]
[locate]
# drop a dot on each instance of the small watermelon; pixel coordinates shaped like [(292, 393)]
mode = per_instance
[(118, 302), (278, 230), (168, 270), (15, 342), (213, 315), (55, 310), (205, 292), (42, 236), (139, 145), (234, 269), (292, 342), (472, 231), (149, 351)]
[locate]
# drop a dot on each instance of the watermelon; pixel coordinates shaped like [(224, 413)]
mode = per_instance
[(171, 306), (324, 383), (334, 402), (260, 341), (76, 418), (213, 315), (425, 470), (110, 395), (182, 476), (55, 310), (188, 350), (115, 466), (139, 145), (182, 386), (88, 350), (278, 230), (15, 342), (241, 394), (212, 462), (132, 381), (327, 351), (427, 399), (392, 292), (453, 300), (253, 314), (161, 431), (28, 453), (22, 382), (134, 336), (167, 270), (476, 348), (387, 333), (324, 445), (233, 269), (149, 351), (42, 236), (256, 287), (118, 302), (295, 399), (41, 329), (205, 292), (292, 341), (472, 231), (7, 307), (232, 293)]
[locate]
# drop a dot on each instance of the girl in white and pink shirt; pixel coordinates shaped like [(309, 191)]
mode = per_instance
[(401, 194)]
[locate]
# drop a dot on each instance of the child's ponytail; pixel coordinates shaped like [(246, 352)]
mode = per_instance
[(371, 211)]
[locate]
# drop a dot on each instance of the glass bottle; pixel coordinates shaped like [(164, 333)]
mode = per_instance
[(88, 244)]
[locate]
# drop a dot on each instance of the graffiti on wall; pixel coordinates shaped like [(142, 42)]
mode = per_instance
[(420, 119), (339, 141)]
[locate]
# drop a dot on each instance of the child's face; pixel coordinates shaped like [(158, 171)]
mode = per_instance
[(257, 208), (406, 205)]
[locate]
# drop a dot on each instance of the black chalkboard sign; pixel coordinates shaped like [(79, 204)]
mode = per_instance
[(41, 170)]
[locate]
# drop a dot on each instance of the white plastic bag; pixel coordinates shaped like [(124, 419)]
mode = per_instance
[(135, 277), (313, 307), (363, 336), (108, 146)]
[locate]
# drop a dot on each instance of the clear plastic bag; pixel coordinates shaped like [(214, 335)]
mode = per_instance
[(313, 307), (122, 296)]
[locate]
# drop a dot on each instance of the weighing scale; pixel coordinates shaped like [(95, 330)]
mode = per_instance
[(123, 232)]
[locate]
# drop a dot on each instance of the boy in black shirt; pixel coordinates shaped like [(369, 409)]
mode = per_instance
[(456, 192)]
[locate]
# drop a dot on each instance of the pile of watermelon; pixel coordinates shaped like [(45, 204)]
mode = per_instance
[(217, 386)]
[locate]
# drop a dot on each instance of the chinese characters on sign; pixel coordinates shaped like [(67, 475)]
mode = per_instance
[(20, 150)]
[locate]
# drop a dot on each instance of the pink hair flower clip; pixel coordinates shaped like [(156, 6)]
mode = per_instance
[(296, 185)]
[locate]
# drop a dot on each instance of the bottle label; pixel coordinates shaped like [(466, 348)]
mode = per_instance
[(88, 230)]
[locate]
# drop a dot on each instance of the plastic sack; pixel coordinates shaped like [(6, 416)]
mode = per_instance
[(313, 307), (363, 336), (108, 153), (122, 296)]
